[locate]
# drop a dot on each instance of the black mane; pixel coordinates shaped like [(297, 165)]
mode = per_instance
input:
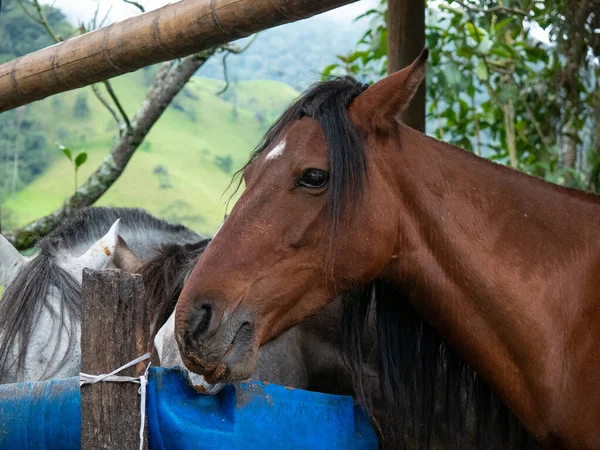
[(327, 103), (164, 277), (429, 394)]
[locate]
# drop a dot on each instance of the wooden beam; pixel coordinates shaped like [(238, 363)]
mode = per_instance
[(406, 39), (115, 330), (173, 31)]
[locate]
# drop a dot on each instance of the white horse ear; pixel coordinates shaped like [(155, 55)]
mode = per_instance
[(10, 261), (101, 254)]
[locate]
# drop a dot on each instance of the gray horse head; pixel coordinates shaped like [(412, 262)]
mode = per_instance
[(40, 310)]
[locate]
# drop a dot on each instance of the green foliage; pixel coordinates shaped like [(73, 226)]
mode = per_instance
[(77, 161), (23, 148), (188, 137), (496, 90), (185, 148), (19, 35), (291, 54), (80, 160)]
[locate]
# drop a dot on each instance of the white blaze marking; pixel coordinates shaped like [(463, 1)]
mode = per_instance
[(277, 151)]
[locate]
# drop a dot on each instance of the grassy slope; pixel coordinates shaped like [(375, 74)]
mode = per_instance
[(185, 142)]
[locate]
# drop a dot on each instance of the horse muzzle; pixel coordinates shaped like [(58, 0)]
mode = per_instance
[(222, 349)]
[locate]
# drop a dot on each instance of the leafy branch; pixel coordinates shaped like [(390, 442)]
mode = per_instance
[(170, 80), (77, 161), (500, 9)]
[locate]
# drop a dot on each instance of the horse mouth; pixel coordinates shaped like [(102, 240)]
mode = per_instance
[(238, 347)]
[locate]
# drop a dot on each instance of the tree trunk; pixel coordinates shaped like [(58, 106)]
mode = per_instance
[(568, 149), (167, 84), (508, 112), (406, 40)]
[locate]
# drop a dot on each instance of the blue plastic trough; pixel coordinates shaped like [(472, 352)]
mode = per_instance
[(46, 416)]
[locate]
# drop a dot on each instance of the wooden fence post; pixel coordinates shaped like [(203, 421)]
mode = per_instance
[(406, 39), (115, 330)]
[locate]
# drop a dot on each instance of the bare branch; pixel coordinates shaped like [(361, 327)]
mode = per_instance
[(43, 20), (95, 19), (114, 98), (103, 21), (167, 84), (28, 13), (108, 106), (229, 48), (45, 23), (493, 10), (136, 4), (225, 75), (536, 124)]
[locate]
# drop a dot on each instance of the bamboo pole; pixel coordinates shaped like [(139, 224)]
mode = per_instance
[(173, 31)]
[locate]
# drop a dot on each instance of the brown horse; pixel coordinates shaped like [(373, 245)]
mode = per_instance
[(341, 197)]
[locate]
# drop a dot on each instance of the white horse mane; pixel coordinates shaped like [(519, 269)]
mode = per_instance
[(40, 310)]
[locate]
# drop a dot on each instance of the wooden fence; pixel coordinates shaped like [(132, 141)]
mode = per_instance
[(173, 31)]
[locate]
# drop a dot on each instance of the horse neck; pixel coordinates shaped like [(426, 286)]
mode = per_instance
[(503, 265)]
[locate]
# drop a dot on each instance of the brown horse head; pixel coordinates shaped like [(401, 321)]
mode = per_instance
[(297, 237), (341, 197)]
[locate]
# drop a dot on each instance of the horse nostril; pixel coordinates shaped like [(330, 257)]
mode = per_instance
[(199, 322)]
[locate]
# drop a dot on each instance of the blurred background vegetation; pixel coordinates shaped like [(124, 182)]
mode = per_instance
[(182, 168), (515, 81)]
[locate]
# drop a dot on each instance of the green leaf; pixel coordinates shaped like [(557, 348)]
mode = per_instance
[(482, 72), (80, 160), (330, 68), (476, 33), (432, 39), (66, 152), (502, 24), (453, 74), (507, 92), (368, 13)]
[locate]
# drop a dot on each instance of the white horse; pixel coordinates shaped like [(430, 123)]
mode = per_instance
[(40, 317), (40, 310)]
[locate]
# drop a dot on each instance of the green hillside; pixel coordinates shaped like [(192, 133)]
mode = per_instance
[(184, 165)]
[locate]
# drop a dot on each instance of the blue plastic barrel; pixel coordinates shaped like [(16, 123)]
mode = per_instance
[(47, 416), (251, 416)]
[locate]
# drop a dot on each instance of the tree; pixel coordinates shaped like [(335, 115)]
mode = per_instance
[(495, 89), (168, 82)]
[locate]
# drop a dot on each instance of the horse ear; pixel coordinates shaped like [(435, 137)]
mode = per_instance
[(10, 261), (101, 254), (124, 258), (381, 104)]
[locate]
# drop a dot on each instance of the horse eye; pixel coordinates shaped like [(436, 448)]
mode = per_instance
[(313, 179)]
